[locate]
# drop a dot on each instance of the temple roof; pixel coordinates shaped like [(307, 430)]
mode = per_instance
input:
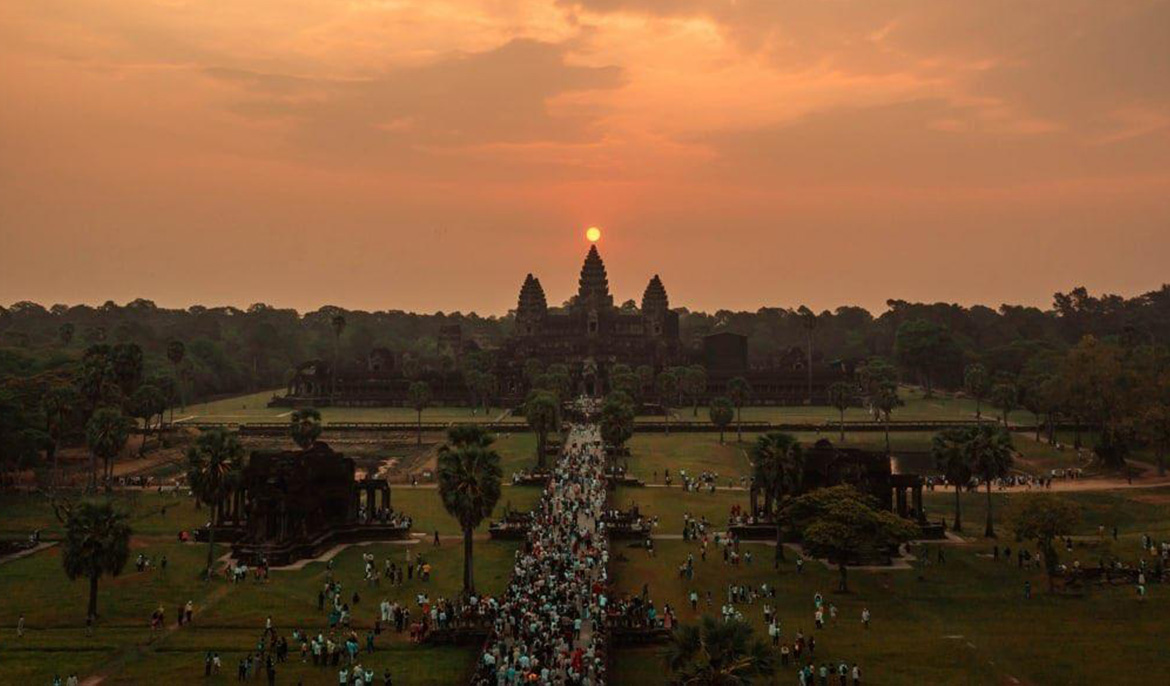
[(532, 300), (654, 297), (594, 284)]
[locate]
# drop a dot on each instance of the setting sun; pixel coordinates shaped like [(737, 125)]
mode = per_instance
[(593, 234)]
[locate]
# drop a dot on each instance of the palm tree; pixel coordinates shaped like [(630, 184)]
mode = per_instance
[(60, 405), (949, 451), (337, 323), (305, 427), (65, 333), (989, 454), (667, 390), (739, 390), (463, 435), (975, 383), (213, 468), (543, 413), (146, 402), (695, 381), (808, 320), (106, 434), (469, 485), (778, 470), (721, 413), (716, 653), (842, 395), (97, 543), (420, 396), (175, 353)]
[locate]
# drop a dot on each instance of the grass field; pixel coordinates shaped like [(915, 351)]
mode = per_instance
[(254, 408), (965, 622), (229, 618), (916, 408)]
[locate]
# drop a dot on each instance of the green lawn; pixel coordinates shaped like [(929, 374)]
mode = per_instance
[(965, 622), (916, 408), (254, 408)]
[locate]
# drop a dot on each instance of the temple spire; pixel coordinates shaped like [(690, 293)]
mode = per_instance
[(593, 286), (654, 300)]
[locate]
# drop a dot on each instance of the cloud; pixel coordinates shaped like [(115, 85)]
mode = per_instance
[(502, 96)]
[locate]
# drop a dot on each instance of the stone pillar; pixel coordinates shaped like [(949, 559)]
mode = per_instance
[(900, 500)]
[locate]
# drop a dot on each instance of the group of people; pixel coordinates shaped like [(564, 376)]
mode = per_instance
[(542, 627)]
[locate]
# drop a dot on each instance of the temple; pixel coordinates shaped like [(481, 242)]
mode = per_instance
[(589, 335), (296, 504)]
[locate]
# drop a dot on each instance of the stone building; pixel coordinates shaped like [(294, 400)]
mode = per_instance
[(589, 335)]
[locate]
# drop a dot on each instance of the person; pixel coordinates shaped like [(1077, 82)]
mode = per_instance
[(856, 675), (1027, 590), (436, 538), (20, 626), (865, 617)]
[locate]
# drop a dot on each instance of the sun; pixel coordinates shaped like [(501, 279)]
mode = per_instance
[(593, 234)]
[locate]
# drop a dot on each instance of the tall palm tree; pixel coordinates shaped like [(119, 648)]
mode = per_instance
[(175, 353), (739, 390), (337, 324), (213, 469), (469, 485), (463, 435), (976, 383), (778, 470), (420, 396), (106, 434), (990, 456), (808, 321), (842, 395), (60, 406), (146, 402), (667, 390), (721, 412), (949, 451), (97, 543), (716, 654), (305, 427), (543, 413)]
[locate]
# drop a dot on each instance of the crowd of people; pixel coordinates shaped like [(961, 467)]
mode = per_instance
[(542, 627)]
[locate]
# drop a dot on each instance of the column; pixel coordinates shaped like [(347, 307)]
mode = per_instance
[(917, 494), (900, 500)]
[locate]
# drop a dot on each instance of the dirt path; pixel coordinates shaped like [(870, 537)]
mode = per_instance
[(124, 656)]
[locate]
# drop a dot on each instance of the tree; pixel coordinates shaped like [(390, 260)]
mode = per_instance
[(925, 347), (842, 396), (96, 543), (543, 412), (176, 350), (106, 434), (337, 325), (65, 333), (778, 471), (948, 448), (808, 321), (1005, 397), (722, 412), (976, 383), (617, 419), (305, 427), (715, 653), (990, 457), (849, 526), (146, 402), (1044, 518), (420, 396), (879, 381), (213, 469), (60, 406), (739, 390), (1155, 429), (694, 383), (463, 435), (667, 383), (469, 486)]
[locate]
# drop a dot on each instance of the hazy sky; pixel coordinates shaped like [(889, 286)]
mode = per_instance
[(383, 154)]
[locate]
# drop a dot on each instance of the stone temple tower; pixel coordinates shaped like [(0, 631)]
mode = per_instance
[(532, 308), (655, 305)]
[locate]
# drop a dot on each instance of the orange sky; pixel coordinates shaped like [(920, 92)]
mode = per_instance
[(384, 154)]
